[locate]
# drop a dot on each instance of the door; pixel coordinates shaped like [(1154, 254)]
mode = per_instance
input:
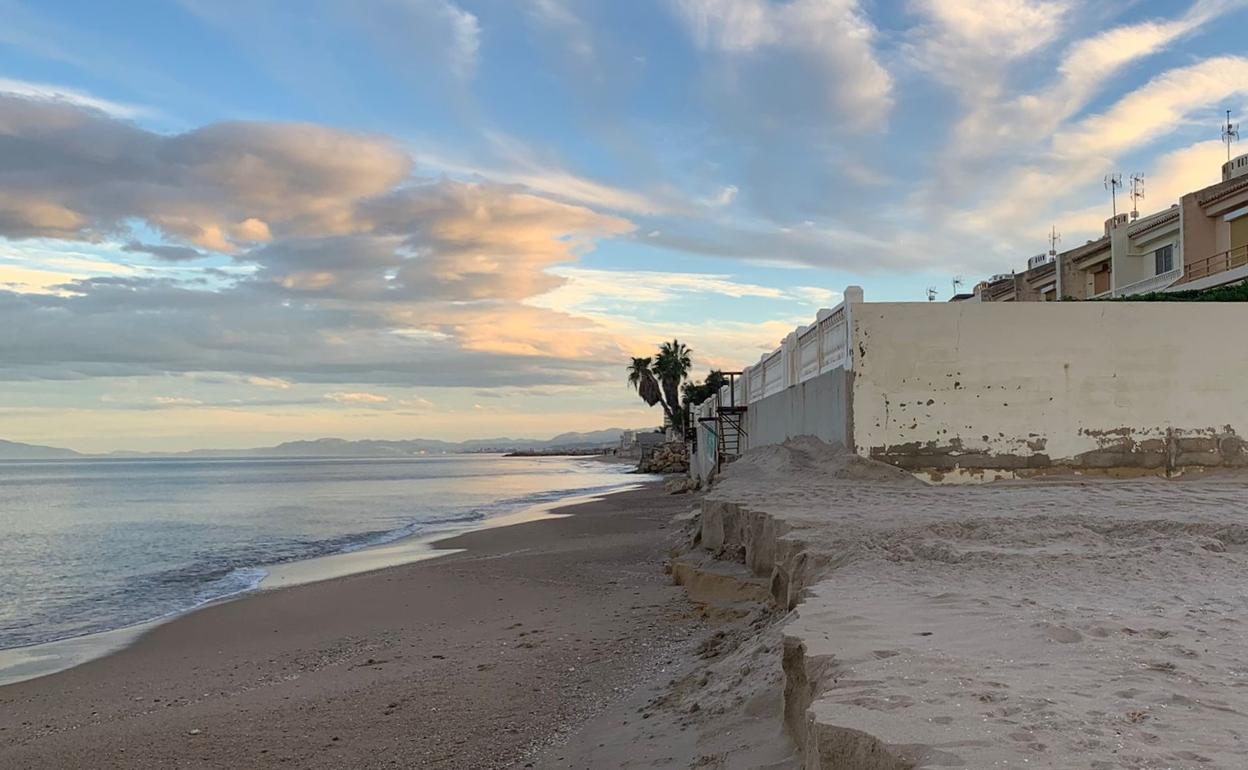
[(1239, 232), (1100, 279), (1238, 255)]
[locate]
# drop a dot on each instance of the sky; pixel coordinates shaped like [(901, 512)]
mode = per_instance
[(229, 224)]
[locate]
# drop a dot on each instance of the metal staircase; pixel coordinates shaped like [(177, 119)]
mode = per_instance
[(729, 425)]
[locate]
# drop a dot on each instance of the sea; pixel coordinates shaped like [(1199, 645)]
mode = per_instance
[(92, 546)]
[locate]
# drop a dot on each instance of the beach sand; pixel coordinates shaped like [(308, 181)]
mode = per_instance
[(1062, 623), (475, 660)]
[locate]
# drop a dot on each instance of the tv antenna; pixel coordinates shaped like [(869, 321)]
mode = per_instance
[(1054, 238), (931, 294), (1230, 133), (1137, 194), (957, 284), (1112, 183)]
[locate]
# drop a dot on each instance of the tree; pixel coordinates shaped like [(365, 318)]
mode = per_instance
[(643, 381), (671, 366), (658, 380), (694, 393)]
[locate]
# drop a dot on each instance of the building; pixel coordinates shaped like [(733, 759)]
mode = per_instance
[(636, 444), (1215, 230), (1039, 282), (1002, 287), (1147, 253), (1087, 270), (1199, 243)]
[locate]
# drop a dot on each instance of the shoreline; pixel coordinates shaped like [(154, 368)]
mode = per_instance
[(471, 660), (29, 662)]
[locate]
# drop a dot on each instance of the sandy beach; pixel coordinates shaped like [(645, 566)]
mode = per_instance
[(1067, 623), (474, 660)]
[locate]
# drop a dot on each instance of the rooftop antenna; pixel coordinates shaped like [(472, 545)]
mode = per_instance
[(1230, 133), (957, 284), (1137, 194), (1112, 183), (1054, 238), (931, 294)]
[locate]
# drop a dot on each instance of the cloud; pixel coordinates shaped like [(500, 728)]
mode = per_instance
[(347, 269), (173, 402), (986, 138), (358, 398), (1156, 109), (70, 172), (52, 93), (484, 242), (961, 35), (726, 195), (414, 36), (163, 252), (556, 16), (586, 288), (519, 164), (415, 403), (438, 25), (272, 383), (834, 35), (1073, 161)]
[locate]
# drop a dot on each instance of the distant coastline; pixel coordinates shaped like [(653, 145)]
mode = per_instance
[(564, 444), (562, 452)]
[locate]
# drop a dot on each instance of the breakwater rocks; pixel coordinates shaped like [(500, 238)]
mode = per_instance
[(672, 457)]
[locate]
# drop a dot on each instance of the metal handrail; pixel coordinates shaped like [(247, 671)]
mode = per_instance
[(1212, 265)]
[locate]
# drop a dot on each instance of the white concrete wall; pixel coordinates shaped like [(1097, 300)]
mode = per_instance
[(817, 407), (1018, 385)]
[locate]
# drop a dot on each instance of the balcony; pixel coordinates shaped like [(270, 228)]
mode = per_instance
[(1207, 270), (1148, 285)]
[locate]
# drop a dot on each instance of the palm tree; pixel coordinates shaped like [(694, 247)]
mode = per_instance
[(671, 366), (642, 379)]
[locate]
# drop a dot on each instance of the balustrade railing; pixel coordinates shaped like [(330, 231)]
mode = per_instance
[(806, 353), (1212, 265)]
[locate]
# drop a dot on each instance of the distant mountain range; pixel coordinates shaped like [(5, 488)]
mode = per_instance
[(338, 447), (11, 450)]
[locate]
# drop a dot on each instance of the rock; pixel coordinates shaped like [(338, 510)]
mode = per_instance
[(196, 731), (672, 457), (679, 485)]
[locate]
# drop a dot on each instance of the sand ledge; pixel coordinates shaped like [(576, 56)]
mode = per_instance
[(1090, 624)]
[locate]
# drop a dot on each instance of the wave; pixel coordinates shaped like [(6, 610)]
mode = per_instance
[(209, 577)]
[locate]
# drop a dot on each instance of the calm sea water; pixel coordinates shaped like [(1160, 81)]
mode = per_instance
[(90, 546)]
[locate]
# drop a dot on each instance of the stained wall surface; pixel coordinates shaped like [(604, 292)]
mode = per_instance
[(976, 387)]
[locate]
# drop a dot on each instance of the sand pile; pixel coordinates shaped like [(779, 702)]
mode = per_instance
[(806, 458)]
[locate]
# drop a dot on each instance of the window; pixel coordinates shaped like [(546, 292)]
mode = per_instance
[(1164, 258)]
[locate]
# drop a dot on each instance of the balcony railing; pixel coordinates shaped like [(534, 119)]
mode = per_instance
[(1218, 263), (1151, 284)]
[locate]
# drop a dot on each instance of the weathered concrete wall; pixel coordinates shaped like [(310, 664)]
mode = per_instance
[(1000, 389), (818, 407)]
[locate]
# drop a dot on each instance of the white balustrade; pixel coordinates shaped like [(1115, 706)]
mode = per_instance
[(806, 353)]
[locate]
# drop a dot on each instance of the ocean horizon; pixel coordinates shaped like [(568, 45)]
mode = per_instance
[(97, 545)]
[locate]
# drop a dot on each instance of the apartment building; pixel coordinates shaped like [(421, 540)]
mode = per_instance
[(1215, 230), (1199, 243)]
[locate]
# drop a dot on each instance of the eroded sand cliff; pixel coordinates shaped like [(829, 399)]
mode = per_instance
[(871, 622)]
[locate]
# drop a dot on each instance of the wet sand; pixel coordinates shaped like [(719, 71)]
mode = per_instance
[(474, 660)]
